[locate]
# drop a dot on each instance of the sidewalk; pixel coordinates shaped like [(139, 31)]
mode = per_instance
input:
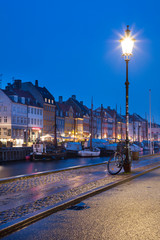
[(127, 212), (32, 195)]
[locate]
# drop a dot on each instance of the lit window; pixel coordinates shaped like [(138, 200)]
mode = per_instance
[(49, 100), (45, 99), (52, 101)]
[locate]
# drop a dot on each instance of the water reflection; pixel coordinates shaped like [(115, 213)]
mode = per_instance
[(16, 168), (9, 169)]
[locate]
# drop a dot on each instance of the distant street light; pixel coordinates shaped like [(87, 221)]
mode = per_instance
[(127, 43)]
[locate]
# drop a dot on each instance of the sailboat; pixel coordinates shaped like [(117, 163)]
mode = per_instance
[(49, 150), (90, 152)]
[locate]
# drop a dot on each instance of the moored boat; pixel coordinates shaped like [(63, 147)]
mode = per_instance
[(45, 152), (89, 153), (72, 148)]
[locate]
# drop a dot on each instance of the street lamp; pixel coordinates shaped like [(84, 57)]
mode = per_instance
[(127, 43)]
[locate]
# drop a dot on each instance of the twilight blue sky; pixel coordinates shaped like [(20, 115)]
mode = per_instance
[(71, 47)]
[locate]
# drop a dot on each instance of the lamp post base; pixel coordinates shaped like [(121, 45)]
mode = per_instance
[(127, 167)]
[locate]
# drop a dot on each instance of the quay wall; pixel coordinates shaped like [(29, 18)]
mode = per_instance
[(14, 153)]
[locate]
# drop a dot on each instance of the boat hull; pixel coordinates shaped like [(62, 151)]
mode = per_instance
[(88, 153)]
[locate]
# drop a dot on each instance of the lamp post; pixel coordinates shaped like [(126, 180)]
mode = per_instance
[(127, 43)]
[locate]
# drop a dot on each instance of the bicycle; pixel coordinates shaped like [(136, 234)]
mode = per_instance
[(117, 160)]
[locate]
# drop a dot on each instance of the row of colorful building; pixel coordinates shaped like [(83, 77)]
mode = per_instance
[(29, 112)]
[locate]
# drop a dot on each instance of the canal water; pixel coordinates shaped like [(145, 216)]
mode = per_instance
[(16, 168)]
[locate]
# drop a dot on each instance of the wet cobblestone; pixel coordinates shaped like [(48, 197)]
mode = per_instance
[(20, 186)]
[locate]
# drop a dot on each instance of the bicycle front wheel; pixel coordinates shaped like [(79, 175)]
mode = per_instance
[(115, 163)]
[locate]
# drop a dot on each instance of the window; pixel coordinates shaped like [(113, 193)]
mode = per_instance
[(14, 133), (28, 120), (45, 99), (25, 120), (14, 119), (41, 122), (31, 120), (5, 109), (5, 131), (37, 121), (5, 119), (16, 98), (29, 110), (34, 121), (17, 119), (35, 111), (32, 110), (0, 119), (22, 120), (9, 132), (40, 111), (52, 102), (49, 100)]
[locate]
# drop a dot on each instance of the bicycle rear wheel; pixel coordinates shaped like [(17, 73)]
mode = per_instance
[(115, 163)]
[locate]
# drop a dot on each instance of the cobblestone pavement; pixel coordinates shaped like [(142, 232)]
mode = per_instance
[(21, 197)]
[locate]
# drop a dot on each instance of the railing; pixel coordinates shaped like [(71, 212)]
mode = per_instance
[(14, 153)]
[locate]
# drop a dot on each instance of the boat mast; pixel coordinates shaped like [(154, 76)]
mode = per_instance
[(91, 124), (115, 123), (121, 122), (101, 121), (55, 128)]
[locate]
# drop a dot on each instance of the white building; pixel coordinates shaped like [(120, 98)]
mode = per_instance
[(21, 118)]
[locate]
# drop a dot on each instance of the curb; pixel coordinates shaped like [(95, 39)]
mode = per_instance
[(38, 174), (12, 179), (23, 222)]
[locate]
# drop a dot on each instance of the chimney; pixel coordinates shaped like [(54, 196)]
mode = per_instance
[(81, 102), (36, 83), (17, 84), (8, 87), (74, 97), (60, 99)]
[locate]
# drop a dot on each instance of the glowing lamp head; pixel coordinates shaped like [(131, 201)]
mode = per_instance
[(127, 43)]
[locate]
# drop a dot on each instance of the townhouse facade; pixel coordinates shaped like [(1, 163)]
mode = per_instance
[(28, 111), (46, 99), (21, 118)]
